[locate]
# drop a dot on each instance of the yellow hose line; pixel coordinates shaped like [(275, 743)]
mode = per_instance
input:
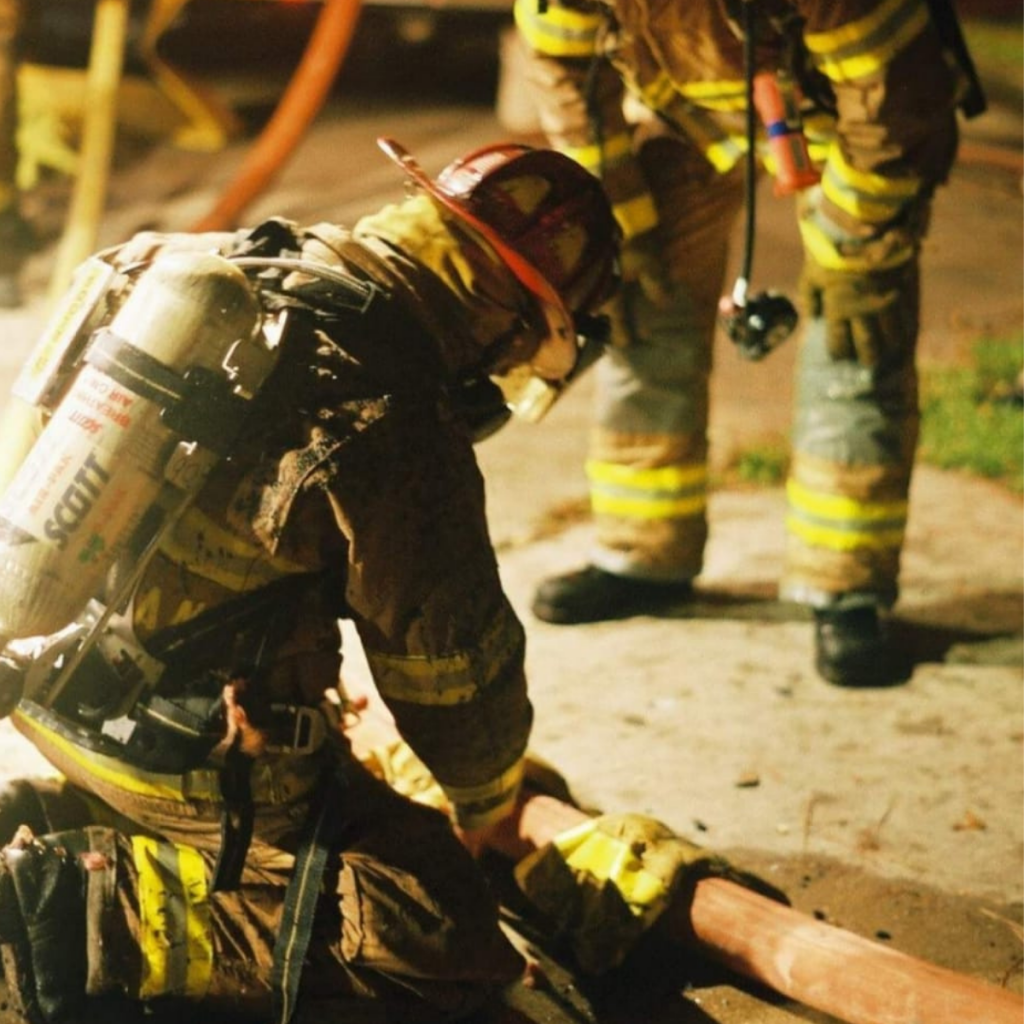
[(106, 60)]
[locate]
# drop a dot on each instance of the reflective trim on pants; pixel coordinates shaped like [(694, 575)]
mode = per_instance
[(175, 929), (855, 431)]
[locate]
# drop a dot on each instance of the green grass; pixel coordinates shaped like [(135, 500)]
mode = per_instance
[(765, 466), (971, 418), (998, 51)]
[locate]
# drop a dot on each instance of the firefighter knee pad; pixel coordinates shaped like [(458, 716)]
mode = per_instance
[(54, 891)]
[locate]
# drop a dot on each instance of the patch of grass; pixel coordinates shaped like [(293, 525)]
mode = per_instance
[(972, 419), (765, 466), (998, 50)]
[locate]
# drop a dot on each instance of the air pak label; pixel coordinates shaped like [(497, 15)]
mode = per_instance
[(76, 501), (90, 472)]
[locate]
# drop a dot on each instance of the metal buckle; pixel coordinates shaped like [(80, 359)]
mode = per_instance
[(309, 729)]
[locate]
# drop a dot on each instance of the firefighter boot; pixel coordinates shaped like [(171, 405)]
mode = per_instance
[(593, 595), (853, 649)]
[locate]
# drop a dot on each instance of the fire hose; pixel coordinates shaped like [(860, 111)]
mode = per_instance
[(814, 963), (811, 962), (301, 102)]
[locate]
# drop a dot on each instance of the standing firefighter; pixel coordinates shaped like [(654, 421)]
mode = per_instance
[(653, 99), (245, 437)]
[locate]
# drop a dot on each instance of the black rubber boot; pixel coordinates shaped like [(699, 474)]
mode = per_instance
[(852, 648), (593, 595)]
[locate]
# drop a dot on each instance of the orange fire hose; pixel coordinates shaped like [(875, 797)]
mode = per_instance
[(816, 964), (300, 103)]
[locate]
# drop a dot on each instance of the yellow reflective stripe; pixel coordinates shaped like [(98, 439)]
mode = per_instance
[(478, 800), (596, 158), (863, 47), (818, 151), (107, 769), (826, 253), (557, 32), (152, 944), (199, 930), (232, 562), (646, 508), (175, 933), (729, 94), (661, 478), (586, 849), (844, 524), (725, 154), (870, 197), (666, 492), (722, 150), (456, 678), (844, 540), (636, 215), (658, 93), (837, 506)]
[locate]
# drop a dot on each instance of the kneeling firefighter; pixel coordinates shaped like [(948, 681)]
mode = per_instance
[(222, 445)]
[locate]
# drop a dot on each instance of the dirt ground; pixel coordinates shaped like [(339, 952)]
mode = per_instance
[(895, 814)]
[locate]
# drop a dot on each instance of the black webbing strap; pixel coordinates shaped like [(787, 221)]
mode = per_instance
[(300, 901), (236, 820)]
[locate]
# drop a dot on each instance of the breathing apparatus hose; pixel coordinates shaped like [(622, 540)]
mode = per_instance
[(750, 158), (758, 323), (301, 102)]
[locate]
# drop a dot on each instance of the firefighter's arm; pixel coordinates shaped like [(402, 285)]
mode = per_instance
[(444, 647), (896, 96)]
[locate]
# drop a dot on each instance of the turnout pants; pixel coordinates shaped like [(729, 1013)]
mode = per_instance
[(854, 429), (403, 929)]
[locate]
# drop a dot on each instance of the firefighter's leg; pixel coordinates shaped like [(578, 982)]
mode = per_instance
[(647, 464), (855, 432), (419, 936), (403, 927)]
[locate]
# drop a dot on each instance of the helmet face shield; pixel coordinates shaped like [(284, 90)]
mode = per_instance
[(547, 219)]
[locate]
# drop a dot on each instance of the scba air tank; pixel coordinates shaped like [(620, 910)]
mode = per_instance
[(101, 459)]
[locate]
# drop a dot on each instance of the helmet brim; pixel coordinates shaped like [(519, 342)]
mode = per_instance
[(556, 355)]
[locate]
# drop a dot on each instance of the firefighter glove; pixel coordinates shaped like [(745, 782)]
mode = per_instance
[(608, 880), (870, 317)]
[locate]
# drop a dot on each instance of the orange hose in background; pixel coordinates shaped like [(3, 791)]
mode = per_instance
[(301, 102)]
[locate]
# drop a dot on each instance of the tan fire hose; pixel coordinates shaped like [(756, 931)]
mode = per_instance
[(810, 962), (816, 964), (300, 103)]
